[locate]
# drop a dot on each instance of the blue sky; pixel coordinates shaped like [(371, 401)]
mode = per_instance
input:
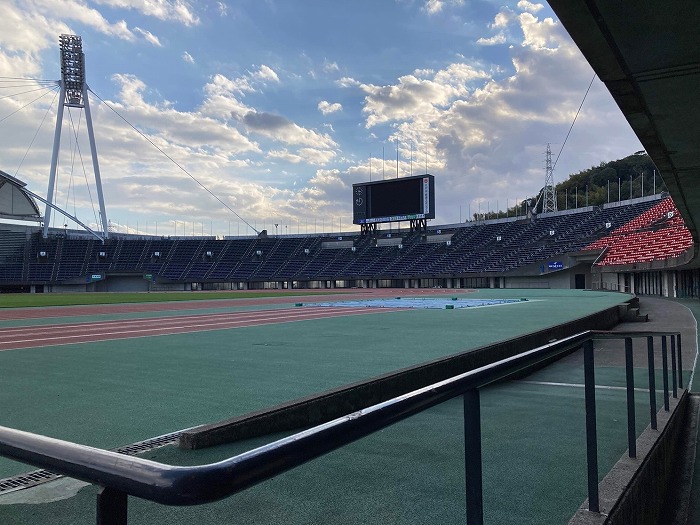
[(277, 106)]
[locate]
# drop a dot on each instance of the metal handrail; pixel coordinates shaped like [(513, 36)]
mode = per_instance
[(177, 485)]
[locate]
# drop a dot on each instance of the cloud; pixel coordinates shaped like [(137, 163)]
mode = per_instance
[(502, 19), (500, 38), (481, 132), (415, 95), (312, 156), (222, 8), (330, 67), (480, 127), (327, 108), (171, 10), (265, 74), (538, 34), (41, 22), (279, 128), (529, 6), (435, 6), (150, 37)]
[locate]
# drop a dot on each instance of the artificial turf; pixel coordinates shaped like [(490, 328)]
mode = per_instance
[(113, 392)]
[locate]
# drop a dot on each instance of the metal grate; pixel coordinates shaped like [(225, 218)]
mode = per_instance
[(37, 477)]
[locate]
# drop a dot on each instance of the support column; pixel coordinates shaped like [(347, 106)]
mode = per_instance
[(95, 163), (54, 159)]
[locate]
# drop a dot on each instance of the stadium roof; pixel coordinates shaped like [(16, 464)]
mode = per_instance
[(648, 56), (15, 203)]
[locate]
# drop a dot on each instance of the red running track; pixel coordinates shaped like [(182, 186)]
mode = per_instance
[(63, 334), (13, 314)]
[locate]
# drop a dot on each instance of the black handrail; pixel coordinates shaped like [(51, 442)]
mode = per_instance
[(176, 485)]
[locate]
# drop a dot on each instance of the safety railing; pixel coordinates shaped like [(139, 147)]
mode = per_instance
[(122, 476)]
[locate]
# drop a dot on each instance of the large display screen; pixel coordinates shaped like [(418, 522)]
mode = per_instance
[(393, 200)]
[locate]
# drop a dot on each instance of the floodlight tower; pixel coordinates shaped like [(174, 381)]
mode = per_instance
[(73, 94), (549, 199)]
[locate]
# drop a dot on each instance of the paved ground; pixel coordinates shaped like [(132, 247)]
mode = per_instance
[(109, 393)]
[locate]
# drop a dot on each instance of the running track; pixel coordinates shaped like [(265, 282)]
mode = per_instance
[(63, 334)]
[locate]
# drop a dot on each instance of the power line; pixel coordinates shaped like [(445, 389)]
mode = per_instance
[(574, 122), (175, 162), (29, 103), (36, 133)]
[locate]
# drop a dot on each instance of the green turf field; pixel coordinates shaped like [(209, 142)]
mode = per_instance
[(115, 392)]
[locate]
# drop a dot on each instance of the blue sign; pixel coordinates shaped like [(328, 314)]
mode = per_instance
[(557, 265)]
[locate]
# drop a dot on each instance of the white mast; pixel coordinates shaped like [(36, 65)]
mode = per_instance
[(73, 94)]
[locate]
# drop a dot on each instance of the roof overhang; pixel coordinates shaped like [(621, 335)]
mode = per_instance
[(15, 202)]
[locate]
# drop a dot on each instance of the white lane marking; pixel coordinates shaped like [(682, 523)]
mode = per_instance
[(162, 320), (579, 385), (54, 341)]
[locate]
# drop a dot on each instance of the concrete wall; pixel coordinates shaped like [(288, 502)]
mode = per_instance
[(122, 283), (635, 490)]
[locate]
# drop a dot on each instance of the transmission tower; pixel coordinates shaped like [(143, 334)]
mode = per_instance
[(73, 94), (549, 199)]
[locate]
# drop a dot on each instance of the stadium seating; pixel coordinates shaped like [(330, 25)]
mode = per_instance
[(655, 234), (638, 231)]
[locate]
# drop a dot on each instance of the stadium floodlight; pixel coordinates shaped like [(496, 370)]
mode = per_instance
[(73, 94), (72, 69)]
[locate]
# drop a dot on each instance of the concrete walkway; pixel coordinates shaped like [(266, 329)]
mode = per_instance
[(683, 501)]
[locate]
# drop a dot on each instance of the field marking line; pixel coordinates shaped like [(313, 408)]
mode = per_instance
[(578, 385)]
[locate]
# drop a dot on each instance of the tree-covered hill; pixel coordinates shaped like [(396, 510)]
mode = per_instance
[(631, 177)]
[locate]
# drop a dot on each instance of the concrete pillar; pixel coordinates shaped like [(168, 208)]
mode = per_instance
[(674, 285), (406, 283), (492, 282)]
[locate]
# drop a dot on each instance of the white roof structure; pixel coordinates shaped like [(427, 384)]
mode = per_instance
[(15, 202)]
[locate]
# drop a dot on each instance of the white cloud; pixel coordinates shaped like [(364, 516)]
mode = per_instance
[(502, 19), (500, 38), (479, 127), (279, 128), (414, 96), (538, 34), (312, 156), (435, 6), (265, 74), (326, 107), (481, 133), (150, 37), (529, 6), (330, 67), (175, 10), (223, 8)]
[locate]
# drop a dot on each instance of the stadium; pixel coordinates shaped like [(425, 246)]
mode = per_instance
[(483, 371), (637, 245)]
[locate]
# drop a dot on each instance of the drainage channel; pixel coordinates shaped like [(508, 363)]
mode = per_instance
[(37, 477)]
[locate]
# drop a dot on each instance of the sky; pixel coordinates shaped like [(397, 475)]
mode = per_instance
[(225, 117)]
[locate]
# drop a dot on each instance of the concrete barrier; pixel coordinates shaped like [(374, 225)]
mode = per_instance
[(635, 490)]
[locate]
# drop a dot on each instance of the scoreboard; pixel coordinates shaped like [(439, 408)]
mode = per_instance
[(393, 200)]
